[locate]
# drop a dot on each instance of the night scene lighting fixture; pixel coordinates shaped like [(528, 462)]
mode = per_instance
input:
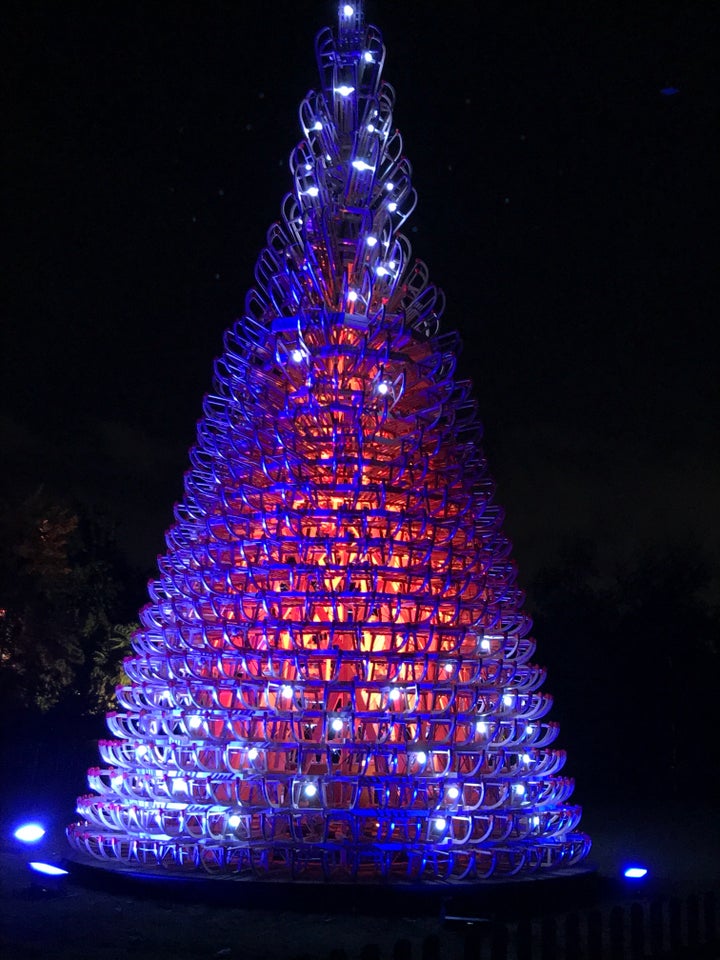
[(635, 873), (29, 833), (335, 642), (47, 869)]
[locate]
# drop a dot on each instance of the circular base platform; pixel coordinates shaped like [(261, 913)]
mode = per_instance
[(560, 890)]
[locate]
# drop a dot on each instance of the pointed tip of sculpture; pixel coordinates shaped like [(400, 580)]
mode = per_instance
[(350, 16)]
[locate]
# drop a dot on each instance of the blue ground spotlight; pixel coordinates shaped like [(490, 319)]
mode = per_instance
[(47, 869), (635, 873), (29, 832)]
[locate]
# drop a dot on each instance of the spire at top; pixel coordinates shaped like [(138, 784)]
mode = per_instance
[(351, 20)]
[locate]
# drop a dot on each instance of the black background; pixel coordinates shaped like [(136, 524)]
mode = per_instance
[(565, 157)]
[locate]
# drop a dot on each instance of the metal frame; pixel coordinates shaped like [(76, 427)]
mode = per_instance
[(333, 679)]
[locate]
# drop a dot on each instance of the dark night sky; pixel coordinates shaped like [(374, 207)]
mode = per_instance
[(567, 206)]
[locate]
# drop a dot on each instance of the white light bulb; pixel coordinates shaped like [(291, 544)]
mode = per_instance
[(308, 166), (344, 90), (392, 207), (286, 691), (383, 388), (253, 753), (352, 296), (141, 751), (313, 191), (526, 758), (392, 264), (453, 793), (394, 693), (440, 823), (49, 869), (421, 757), (310, 790), (179, 786), (317, 125), (381, 272), (29, 833), (508, 699), (535, 821), (481, 727), (389, 186), (484, 644), (368, 57), (447, 668), (336, 725), (519, 789), (371, 128), (234, 821), (371, 241), (362, 165), (348, 10), (530, 728), (296, 355), (194, 723)]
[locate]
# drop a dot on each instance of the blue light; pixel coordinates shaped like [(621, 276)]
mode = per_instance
[(47, 869), (29, 833), (635, 873)]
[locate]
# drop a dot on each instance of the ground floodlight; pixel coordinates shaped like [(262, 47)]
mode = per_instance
[(29, 833)]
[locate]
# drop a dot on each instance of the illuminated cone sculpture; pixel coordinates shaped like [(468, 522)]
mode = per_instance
[(333, 678)]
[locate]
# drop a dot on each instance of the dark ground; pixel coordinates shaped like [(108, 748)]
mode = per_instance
[(678, 841)]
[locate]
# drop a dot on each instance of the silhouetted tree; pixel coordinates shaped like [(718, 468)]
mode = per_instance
[(63, 588), (632, 653)]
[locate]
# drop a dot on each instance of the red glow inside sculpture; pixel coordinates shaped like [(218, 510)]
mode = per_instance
[(333, 678)]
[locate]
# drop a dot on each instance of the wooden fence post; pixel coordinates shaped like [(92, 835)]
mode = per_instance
[(548, 939), (710, 917), (499, 942), (656, 927), (402, 950), (617, 933), (525, 939), (573, 939), (371, 951), (637, 931), (693, 920), (431, 947), (472, 945), (595, 935), (675, 913)]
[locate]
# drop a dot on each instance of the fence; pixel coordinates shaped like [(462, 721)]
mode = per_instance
[(671, 929)]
